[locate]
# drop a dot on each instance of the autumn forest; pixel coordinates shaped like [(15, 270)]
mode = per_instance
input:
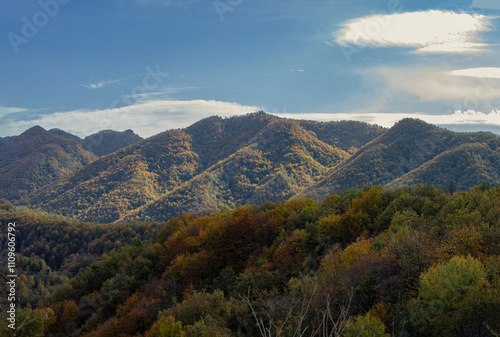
[(295, 228)]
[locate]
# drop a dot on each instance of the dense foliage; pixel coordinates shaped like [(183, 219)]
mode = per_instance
[(37, 158), (109, 141), (414, 152), (214, 163), (372, 262), (52, 248), (224, 163)]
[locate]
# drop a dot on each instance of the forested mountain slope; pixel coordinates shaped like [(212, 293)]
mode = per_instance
[(366, 262), (212, 164), (222, 163), (414, 152), (37, 158)]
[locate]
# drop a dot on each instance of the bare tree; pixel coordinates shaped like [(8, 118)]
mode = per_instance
[(334, 325), (300, 319)]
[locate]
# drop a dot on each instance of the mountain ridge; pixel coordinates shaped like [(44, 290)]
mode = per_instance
[(210, 157), (406, 146), (220, 163), (37, 158)]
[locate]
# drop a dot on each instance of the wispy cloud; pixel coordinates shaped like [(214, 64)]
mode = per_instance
[(477, 72), (430, 31), (162, 93), (5, 110), (438, 85), (101, 84), (145, 119)]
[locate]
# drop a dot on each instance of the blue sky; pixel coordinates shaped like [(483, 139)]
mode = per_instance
[(152, 65)]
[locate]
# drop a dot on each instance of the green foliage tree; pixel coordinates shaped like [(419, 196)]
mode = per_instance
[(166, 326), (443, 286), (366, 326)]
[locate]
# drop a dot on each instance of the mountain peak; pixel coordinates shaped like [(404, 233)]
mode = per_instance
[(411, 122), (64, 134), (37, 134), (107, 141), (411, 127), (35, 130)]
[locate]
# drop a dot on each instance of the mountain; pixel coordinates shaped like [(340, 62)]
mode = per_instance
[(461, 168), (414, 152), (212, 164), (223, 163), (346, 135), (102, 143), (37, 158), (108, 141), (279, 161), (64, 134)]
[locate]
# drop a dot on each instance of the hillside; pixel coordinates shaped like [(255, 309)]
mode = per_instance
[(223, 163), (37, 158), (277, 163), (108, 141), (438, 156), (214, 163), (346, 135), (372, 262), (465, 166), (129, 178), (52, 248), (102, 143)]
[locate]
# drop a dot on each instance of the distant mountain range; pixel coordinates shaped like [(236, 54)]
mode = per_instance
[(38, 157), (103, 142), (414, 152), (222, 163)]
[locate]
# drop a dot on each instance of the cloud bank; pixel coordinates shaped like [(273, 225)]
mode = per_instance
[(145, 119), (469, 117)]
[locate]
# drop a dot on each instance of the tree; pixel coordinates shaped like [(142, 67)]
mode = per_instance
[(442, 292), (444, 285), (366, 326), (166, 327)]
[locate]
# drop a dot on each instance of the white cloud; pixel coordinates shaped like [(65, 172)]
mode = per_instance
[(493, 73), (430, 31), (101, 84), (455, 47), (154, 117), (145, 119), (389, 119)]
